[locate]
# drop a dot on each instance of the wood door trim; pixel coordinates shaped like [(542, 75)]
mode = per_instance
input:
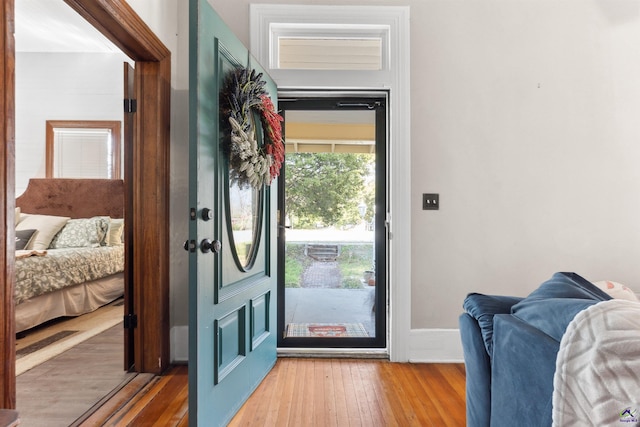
[(148, 206), (7, 229), (117, 21), (128, 139)]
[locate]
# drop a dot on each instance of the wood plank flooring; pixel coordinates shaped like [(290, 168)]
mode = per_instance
[(311, 392)]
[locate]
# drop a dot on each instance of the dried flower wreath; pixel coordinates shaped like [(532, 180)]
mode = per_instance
[(244, 97)]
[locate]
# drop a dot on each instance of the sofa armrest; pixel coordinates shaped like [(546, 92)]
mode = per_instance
[(483, 308), (522, 367), (478, 373)]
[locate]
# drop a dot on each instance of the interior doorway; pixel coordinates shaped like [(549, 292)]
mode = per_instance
[(147, 217), (54, 363), (332, 204)]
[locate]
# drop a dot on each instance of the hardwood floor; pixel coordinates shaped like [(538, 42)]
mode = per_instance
[(310, 392)]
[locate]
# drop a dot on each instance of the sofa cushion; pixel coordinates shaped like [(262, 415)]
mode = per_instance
[(483, 308), (552, 306), (568, 285)]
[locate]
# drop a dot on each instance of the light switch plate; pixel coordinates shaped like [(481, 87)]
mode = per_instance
[(430, 201)]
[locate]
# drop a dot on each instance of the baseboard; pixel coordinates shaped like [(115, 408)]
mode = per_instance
[(180, 344), (435, 346), (425, 345)]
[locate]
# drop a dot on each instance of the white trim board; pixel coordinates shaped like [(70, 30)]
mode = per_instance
[(435, 346), (396, 79), (180, 344), (426, 345)]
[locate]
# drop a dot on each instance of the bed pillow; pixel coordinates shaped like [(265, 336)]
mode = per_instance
[(81, 233), (47, 227), (17, 216), (616, 290), (115, 233), (23, 237)]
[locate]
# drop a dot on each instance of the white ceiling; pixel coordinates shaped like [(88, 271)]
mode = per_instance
[(52, 26)]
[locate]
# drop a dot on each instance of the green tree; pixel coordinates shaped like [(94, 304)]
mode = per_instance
[(326, 188)]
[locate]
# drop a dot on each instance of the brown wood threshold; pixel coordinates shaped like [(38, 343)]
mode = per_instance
[(113, 402), (146, 398)]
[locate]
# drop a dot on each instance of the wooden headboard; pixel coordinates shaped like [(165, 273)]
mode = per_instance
[(75, 198)]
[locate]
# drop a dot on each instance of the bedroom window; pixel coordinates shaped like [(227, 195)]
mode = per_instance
[(83, 149)]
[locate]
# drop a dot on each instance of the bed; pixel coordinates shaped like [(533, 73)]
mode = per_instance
[(69, 248)]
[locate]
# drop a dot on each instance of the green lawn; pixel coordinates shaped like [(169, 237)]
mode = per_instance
[(295, 263)]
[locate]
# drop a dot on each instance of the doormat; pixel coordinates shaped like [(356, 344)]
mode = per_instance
[(326, 330)]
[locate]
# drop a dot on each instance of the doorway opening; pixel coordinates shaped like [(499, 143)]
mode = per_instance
[(119, 22), (332, 205)]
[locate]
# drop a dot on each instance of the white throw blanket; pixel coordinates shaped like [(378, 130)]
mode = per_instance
[(597, 379)]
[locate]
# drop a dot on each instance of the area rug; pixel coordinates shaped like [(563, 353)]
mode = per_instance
[(75, 331), (327, 330), (39, 345)]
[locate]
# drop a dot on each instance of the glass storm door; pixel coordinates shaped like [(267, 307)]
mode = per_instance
[(332, 206), (232, 274)]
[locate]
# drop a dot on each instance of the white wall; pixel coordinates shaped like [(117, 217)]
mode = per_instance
[(524, 119), (61, 86), (525, 122)]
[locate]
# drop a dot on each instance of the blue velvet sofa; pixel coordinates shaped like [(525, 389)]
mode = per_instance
[(510, 346)]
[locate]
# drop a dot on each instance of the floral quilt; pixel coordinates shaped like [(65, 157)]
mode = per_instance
[(60, 268)]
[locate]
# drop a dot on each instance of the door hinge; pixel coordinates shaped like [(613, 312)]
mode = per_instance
[(130, 321), (130, 106)]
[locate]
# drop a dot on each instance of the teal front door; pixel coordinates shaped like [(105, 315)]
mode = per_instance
[(232, 261)]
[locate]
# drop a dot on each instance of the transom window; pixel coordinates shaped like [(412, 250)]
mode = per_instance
[(329, 47), (329, 53)]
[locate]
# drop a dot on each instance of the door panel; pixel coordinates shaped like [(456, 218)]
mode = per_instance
[(232, 340)]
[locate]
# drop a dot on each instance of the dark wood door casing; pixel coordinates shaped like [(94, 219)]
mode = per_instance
[(128, 142), (148, 182), (148, 208), (7, 228)]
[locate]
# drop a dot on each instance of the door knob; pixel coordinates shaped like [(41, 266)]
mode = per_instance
[(210, 246)]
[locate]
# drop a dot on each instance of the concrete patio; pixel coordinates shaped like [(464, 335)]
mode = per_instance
[(323, 305)]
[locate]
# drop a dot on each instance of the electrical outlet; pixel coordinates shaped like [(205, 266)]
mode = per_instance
[(430, 201)]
